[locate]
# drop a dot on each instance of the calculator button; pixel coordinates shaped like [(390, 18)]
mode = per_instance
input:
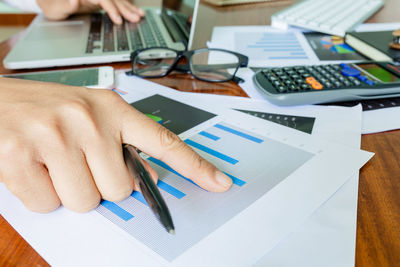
[(302, 71), (332, 79), (347, 83), (305, 86), (295, 76), (284, 77), (293, 87), (323, 72), (272, 78), (317, 86), (351, 72), (369, 82), (299, 81), (281, 89), (323, 80), (267, 71), (362, 78), (344, 66), (291, 72), (314, 83), (337, 84), (276, 83)]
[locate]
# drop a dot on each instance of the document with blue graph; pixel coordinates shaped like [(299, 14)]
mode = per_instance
[(280, 177), (265, 46)]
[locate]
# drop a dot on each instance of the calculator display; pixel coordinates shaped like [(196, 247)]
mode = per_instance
[(379, 72)]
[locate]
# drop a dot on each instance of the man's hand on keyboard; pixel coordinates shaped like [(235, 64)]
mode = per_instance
[(116, 9)]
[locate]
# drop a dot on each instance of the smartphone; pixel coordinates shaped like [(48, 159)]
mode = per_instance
[(100, 77)]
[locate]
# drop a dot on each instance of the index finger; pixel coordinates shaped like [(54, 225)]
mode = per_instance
[(157, 141)]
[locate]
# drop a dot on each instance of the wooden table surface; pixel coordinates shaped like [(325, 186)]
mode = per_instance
[(378, 219)]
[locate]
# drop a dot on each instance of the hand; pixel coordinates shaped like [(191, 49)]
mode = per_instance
[(63, 145), (62, 9)]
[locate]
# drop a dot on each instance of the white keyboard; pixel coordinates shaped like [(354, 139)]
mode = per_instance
[(334, 17)]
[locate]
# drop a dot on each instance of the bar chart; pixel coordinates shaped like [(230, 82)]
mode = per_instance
[(270, 45), (250, 160)]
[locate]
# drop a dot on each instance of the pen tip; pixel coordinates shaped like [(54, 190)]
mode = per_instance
[(172, 231)]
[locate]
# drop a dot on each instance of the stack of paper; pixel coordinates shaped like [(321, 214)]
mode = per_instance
[(283, 173), (267, 47)]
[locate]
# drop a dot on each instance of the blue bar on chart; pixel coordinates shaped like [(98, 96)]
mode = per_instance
[(170, 189), (236, 180), (211, 152), (209, 135), (270, 45), (117, 210), (238, 133), (138, 196), (168, 168)]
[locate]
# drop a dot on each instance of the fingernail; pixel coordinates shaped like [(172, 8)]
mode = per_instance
[(142, 12), (135, 18), (222, 179), (118, 19)]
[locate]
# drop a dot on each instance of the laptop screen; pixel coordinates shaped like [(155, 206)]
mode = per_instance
[(180, 13)]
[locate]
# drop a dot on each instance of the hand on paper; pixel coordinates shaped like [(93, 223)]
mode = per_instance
[(63, 145), (116, 9)]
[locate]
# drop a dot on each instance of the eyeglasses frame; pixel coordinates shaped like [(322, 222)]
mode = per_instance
[(243, 62)]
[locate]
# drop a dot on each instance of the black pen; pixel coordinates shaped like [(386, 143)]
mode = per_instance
[(147, 187)]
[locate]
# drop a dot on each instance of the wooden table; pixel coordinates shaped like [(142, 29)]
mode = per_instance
[(378, 222)]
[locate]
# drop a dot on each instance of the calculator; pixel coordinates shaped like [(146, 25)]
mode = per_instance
[(299, 85)]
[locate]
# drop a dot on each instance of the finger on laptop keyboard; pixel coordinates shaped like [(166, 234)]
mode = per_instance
[(134, 9), (128, 13), (111, 9)]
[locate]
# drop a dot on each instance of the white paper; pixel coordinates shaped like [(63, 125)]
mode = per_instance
[(374, 121), (64, 238), (264, 45), (329, 234)]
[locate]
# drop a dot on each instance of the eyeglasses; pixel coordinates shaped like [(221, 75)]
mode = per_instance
[(211, 65)]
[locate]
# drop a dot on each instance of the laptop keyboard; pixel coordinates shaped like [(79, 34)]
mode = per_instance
[(127, 31), (94, 33)]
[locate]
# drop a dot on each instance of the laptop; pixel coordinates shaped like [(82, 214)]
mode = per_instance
[(91, 39)]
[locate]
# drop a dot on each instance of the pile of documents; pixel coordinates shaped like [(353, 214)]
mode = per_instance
[(269, 47), (295, 179), (295, 173)]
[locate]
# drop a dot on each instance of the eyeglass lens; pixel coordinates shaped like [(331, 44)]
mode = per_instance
[(154, 62), (210, 65), (214, 65)]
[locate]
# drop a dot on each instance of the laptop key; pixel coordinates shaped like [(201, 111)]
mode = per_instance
[(122, 39), (108, 34), (134, 36), (94, 32)]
